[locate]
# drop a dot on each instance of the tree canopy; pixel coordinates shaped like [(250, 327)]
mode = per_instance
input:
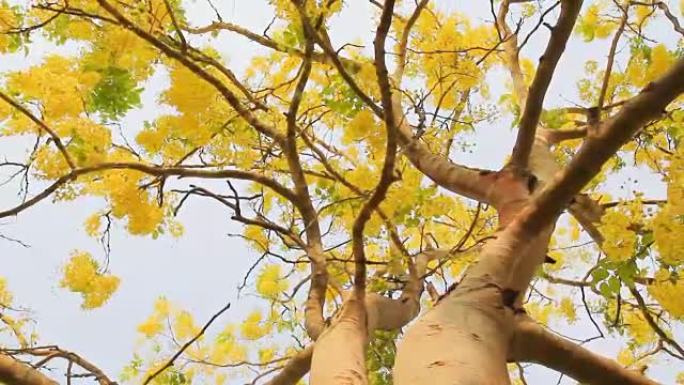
[(382, 249)]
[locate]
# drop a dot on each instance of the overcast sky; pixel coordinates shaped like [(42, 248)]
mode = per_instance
[(202, 269)]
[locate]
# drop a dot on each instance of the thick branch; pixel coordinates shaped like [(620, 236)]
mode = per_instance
[(13, 372), (387, 174), (314, 321), (533, 343), (295, 369)]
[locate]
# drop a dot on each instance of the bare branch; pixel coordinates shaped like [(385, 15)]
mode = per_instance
[(319, 57), (654, 325), (169, 9), (611, 59), (666, 10), (52, 352)]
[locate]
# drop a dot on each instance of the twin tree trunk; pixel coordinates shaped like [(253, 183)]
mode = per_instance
[(466, 338)]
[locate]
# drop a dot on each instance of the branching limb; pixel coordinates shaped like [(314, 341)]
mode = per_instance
[(387, 175), (314, 321), (595, 151), (295, 369), (666, 10), (509, 42), (654, 325), (318, 57), (542, 78), (611, 60)]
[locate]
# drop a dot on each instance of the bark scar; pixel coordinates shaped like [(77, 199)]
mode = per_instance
[(436, 364), (508, 297)]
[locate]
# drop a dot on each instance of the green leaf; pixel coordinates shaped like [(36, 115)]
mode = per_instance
[(599, 274)]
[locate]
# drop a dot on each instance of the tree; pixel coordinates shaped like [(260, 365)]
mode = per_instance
[(337, 159)]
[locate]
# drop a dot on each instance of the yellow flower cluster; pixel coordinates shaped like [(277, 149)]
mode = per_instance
[(449, 73), (253, 327), (668, 225), (58, 84), (153, 324), (5, 295), (227, 349), (81, 275), (269, 283), (668, 294), (619, 240), (638, 328), (7, 21)]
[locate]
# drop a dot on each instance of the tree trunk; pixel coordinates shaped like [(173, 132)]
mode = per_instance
[(339, 356)]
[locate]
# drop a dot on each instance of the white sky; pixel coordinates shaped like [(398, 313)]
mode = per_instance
[(201, 270)]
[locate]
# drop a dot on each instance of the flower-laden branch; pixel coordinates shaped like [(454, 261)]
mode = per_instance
[(186, 345), (158, 171), (230, 97)]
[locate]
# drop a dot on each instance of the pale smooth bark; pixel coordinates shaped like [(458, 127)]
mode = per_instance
[(464, 339), (339, 354)]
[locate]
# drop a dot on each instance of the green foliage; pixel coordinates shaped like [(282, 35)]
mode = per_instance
[(115, 94), (380, 357)]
